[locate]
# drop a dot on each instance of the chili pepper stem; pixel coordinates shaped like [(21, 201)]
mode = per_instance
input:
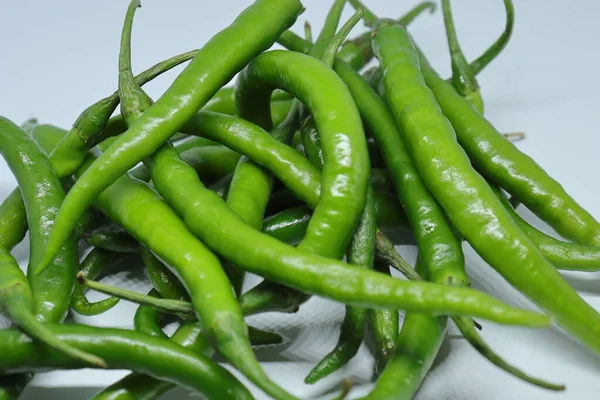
[(170, 306)]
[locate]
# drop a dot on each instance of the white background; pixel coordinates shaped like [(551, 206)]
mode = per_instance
[(59, 57)]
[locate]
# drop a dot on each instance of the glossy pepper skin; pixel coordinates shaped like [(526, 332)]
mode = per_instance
[(453, 181), (140, 386), (439, 245), (345, 173), (306, 272), (218, 309), (504, 164), (42, 193), (230, 50), (148, 224), (124, 349), (31, 303), (251, 186), (564, 255), (87, 130)]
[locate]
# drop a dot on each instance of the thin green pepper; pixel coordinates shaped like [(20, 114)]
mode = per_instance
[(87, 130), (452, 180), (230, 50), (503, 163), (565, 256), (123, 349), (296, 268), (31, 307), (217, 307), (345, 173)]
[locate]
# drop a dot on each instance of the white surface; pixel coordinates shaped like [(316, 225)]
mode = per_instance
[(59, 59)]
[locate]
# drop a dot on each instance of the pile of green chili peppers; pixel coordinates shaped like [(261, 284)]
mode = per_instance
[(296, 174)]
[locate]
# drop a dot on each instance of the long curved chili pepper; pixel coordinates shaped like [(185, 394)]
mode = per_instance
[(251, 181), (42, 194), (251, 186), (231, 49), (338, 170), (143, 387), (124, 349), (345, 175), (189, 335), (41, 191), (293, 267), (86, 131), (221, 314), (504, 164), (96, 262), (454, 183), (362, 246), (357, 52)]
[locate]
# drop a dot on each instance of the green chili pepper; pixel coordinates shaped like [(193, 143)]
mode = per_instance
[(143, 387), (251, 187), (217, 307), (361, 248), (43, 194), (344, 182), (87, 130), (230, 50), (124, 349), (452, 180), (565, 256), (48, 301), (96, 262), (303, 271), (507, 166)]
